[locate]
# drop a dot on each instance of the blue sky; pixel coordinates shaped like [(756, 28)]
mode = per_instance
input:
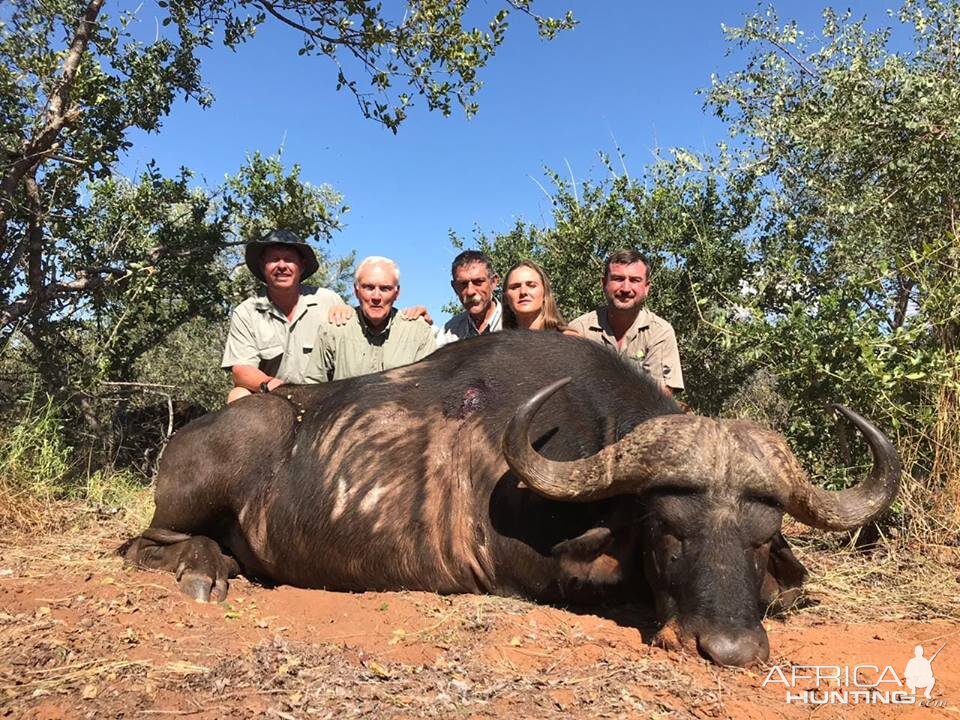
[(627, 76)]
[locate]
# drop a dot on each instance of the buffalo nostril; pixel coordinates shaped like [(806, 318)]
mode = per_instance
[(734, 647)]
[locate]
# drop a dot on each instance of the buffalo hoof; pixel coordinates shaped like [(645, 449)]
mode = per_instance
[(200, 567), (202, 570), (203, 589)]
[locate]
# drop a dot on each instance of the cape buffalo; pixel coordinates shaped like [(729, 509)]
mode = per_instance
[(424, 477)]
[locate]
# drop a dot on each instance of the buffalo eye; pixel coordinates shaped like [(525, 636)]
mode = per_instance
[(672, 549), (668, 529)]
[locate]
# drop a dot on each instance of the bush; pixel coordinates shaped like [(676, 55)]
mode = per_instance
[(34, 455)]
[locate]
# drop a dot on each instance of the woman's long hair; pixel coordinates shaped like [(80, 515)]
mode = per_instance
[(552, 320)]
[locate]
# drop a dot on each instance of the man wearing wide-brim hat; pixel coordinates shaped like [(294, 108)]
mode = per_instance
[(271, 336)]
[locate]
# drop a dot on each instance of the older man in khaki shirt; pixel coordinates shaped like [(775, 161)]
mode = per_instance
[(626, 327), (373, 340)]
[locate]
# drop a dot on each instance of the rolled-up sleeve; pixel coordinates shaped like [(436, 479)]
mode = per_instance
[(665, 358), (241, 346)]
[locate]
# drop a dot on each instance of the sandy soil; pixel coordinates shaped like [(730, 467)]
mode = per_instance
[(82, 636)]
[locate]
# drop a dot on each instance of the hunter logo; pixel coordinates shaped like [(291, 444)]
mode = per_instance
[(919, 672), (857, 684)]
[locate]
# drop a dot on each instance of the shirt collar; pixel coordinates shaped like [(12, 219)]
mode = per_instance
[(365, 324), (265, 305), (491, 323), (641, 322)]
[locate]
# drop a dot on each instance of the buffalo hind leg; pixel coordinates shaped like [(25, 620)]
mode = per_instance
[(197, 562)]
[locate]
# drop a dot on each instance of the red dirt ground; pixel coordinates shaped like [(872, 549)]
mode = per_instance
[(81, 636)]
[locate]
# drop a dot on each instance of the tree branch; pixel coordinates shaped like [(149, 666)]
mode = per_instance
[(271, 8), (793, 57), (34, 234), (59, 114), (18, 308)]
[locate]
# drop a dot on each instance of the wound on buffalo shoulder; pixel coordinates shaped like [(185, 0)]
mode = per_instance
[(474, 398)]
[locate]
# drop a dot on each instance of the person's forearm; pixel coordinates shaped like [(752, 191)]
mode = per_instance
[(249, 377)]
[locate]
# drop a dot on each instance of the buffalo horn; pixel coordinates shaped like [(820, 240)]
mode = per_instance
[(855, 506), (624, 467)]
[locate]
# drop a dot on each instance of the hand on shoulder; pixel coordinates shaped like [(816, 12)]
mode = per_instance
[(415, 312), (340, 315)]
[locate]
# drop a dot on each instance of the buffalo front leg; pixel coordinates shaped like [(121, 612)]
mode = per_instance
[(199, 565)]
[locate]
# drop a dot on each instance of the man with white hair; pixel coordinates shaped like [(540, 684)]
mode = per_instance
[(370, 341)]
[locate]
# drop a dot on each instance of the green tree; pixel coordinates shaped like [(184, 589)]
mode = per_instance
[(74, 82), (172, 256), (95, 269), (854, 149)]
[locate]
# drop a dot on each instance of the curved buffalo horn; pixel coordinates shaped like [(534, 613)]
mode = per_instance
[(856, 506), (624, 467)]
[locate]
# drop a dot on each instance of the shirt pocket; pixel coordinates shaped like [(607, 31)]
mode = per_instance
[(271, 340), (647, 360)]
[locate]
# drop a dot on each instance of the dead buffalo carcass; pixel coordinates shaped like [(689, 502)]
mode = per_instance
[(481, 470)]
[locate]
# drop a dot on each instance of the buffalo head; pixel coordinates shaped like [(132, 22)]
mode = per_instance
[(715, 492)]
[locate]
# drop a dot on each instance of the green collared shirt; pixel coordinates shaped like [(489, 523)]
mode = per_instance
[(356, 349), (260, 333), (650, 343)]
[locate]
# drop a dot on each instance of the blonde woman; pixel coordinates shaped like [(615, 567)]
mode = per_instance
[(528, 301)]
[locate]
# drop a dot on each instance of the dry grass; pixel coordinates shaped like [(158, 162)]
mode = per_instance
[(946, 462), (23, 512), (894, 581), (930, 490)]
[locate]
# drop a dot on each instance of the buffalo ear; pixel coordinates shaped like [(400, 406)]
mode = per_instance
[(785, 574)]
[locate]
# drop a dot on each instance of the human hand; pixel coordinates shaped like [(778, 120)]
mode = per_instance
[(416, 311), (340, 314)]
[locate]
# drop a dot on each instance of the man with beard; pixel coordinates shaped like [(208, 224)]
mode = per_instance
[(626, 327), (474, 281)]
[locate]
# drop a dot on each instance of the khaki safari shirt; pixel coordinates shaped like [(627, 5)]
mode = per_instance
[(462, 326), (356, 349), (650, 343), (260, 334)]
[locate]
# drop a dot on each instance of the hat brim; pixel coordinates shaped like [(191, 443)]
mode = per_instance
[(254, 257)]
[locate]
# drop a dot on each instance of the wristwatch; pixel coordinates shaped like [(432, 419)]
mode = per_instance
[(265, 386)]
